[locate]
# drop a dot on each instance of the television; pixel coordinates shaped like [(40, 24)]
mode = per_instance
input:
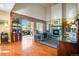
[(56, 32)]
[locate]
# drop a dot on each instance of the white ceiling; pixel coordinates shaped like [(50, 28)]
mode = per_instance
[(36, 10), (19, 6), (6, 7)]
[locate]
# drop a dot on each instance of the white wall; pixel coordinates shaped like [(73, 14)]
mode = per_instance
[(5, 9), (48, 12), (77, 8), (32, 10), (56, 11), (48, 16), (56, 14), (5, 27), (69, 10)]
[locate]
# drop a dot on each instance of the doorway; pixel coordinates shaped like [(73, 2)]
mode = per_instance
[(27, 33), (22, 28), (27, 27)]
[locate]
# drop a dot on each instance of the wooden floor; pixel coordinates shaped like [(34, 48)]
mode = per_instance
[(37, 49)]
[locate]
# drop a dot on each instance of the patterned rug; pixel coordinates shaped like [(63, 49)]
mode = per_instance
[(50, 42)]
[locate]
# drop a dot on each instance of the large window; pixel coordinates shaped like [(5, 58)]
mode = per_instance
[(40, 27), (27, 25)]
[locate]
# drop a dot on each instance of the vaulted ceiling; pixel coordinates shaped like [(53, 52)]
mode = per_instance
[(37, 10), (19, 6), (7, 7)]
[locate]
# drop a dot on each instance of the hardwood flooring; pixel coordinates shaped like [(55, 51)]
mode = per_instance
[(36, 49)]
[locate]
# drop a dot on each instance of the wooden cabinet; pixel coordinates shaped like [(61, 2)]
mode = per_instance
[(16, 31), (4, 38), (68, 49)]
